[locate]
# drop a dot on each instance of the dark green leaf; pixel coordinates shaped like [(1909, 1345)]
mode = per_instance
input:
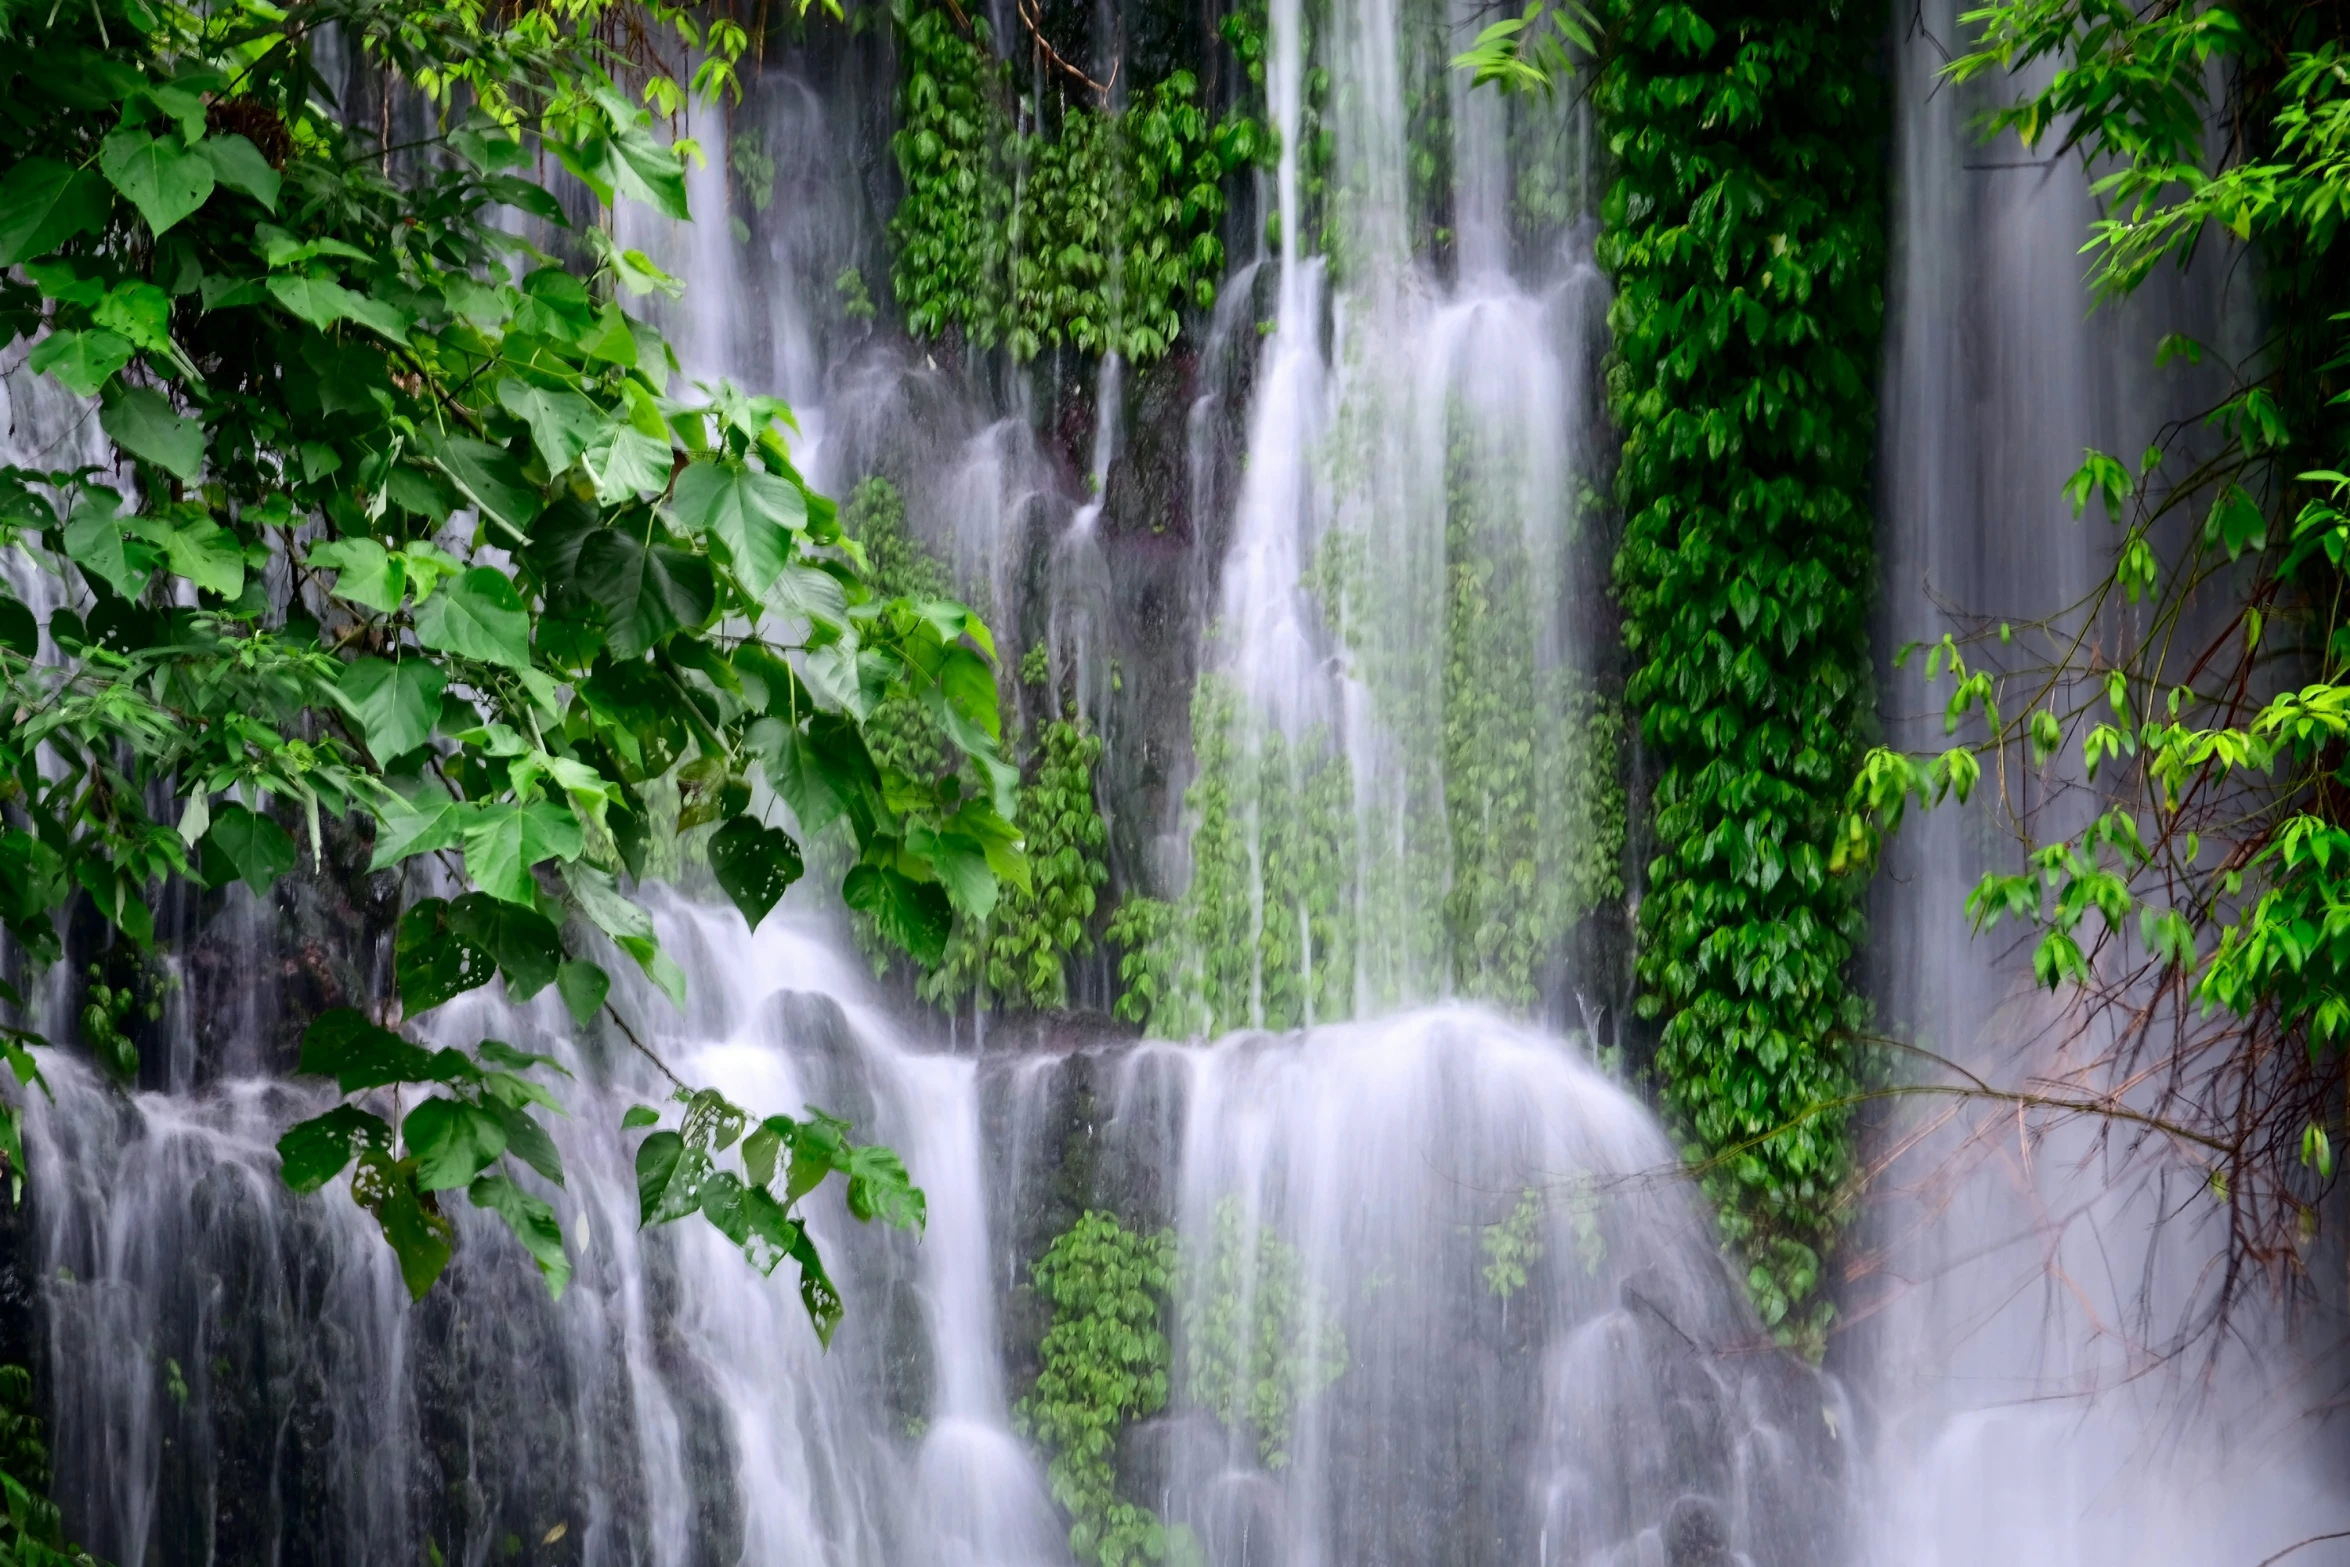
[(563, 424), (94, 542), (527, 1140), (315, 1151), (645, 594), (499, 1053), (343, 1045), (432, 961), (879, 1188), (20, 633), (418, 1236), (533, 1224), (524, 942), (583, 987), (43, 204), (754, 865), (452, 1141), (257, 849), (238, 164), (669, 1178), (640, 1115), (915, 915), (490, 478)]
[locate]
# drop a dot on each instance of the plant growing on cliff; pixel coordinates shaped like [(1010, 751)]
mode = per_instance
[(1257, 1337), (1745, 330), (1106, 1364), (383, 529)]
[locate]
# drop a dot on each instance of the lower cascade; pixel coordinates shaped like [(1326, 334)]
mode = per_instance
[(1434, 1291)]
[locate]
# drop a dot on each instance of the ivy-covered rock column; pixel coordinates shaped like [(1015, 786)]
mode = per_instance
[(1745, 233)]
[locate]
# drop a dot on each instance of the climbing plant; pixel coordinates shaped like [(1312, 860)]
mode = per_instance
[(1744, 232), (1088, 229), (1257, 1336), (1106, 1362)]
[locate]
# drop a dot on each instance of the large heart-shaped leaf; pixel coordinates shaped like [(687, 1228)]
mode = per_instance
[(94, 542), (431, 961), (479, 616), (83, 362), (524, 942), (533, 1224), (452, 1142), (505, 841), (238, 164), (753, 513), (395, 704), (141, 421), (315, 1151), (562, 423), (43, 204), (207, 554), (163, 179), (645, 594), (490, 478), (754, 864), (256, 849), (343, 1045), (915, 915)]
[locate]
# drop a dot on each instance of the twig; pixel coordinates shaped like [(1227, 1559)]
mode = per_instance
[(1035, 26)]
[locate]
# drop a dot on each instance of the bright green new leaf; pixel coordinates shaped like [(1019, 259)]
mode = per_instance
[(366, 573), (752, 512), (83, 362), (506, 840)]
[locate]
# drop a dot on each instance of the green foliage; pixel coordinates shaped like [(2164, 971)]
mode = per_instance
[(2217, 872), (31, 1532), (1095, 237), (537, 587), (1257, 1337), (1106, 1363), (1513, 1246), (1744, 233)]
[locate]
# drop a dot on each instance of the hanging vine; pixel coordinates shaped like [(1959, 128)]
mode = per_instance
[(1088, 229), (1745, 236)]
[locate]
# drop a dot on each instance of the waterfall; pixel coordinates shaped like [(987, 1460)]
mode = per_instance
[(1331, 582)]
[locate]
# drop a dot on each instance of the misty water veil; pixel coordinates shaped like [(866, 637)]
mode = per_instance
[(1355, 1137)]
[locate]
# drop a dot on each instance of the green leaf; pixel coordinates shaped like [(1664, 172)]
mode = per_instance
[(208, 555), (583, 987), (315, 1151), (533, 1224), (478, 616), (419, 1237), (490, 478), (527, 1140), (499, 1053), (43, 204), (879, 1188), (646, 171), (524, 942), (754, 865), (640, 1115), (599, 897), (563, 424), (321, 301), (915, 915), (659, 967), (669, 1178), (431, 961), (626, 463), (163, 179), (405, 827), (505, 841), (451, 1141), (20, 633), (141, 421), (258, 849), (395, 704), (753, 513), (645, 594), (366, 573), (960, 863), (238, 164), (83, 362), (94, 542), (345, 1046)]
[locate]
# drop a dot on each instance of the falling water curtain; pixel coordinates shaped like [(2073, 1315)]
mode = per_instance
[(1745, 234)]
